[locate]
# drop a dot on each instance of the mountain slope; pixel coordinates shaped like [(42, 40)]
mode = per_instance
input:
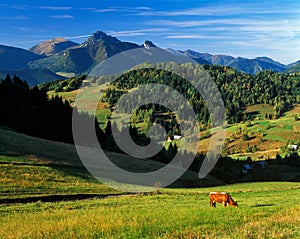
[(83, 57), (32, 76), (294, 67), (189, 53), (253, 66), (250, 66), (201, 61), (65, 154), (212, 59), (13, 58), (101, 46), (53, 46)]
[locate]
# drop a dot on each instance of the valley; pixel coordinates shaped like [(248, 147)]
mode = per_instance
[(46, 188), (253, 128)]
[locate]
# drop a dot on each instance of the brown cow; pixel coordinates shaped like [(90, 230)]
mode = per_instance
[(221, 197)]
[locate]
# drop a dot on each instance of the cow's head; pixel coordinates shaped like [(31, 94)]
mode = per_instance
[(235, 204)]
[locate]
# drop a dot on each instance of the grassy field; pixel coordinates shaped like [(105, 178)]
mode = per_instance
[(102, 109), (268, 136), (46, 193), (266, 210), (26, 178)]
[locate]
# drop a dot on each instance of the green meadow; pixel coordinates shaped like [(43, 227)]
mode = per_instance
[(268, 136), (42, 197), (45, 192), (266, 210), (88, 97)]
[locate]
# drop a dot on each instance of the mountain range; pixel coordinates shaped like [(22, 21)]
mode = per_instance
[(250, 66), (32, 76), (63, 56)]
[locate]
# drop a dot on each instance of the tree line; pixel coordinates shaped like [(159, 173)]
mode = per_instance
[(238, 90), (30, 111)]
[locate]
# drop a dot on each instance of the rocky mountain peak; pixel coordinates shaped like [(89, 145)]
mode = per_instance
[(101, 36), (148, 44)]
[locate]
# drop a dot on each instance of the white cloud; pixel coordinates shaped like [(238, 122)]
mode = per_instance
[(77, 37), (139, 32), (233, 28), (198, 36), (135, 10), (55, 8), (47, 37), (224, 10), (205, 11), (15, 18), (14, 6), (22, 28), (62, 16)]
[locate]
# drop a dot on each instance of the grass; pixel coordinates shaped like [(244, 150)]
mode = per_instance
[(69, 96), (22, 177), (259, 110), (268, 135), (266, 210), (87, 100), (101, 115), (275, 137), (16, 144), (31, 167)]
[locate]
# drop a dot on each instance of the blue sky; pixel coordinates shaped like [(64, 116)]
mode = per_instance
[(238, 28)]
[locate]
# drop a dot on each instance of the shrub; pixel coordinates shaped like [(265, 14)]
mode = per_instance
[(245, 137)]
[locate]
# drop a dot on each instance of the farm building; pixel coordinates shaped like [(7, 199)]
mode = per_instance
[(177, 136), (293, 146)]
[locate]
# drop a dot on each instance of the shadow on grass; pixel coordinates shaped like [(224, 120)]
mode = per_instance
[(76, 171), (57, 198), (251, 115), (264, 205)]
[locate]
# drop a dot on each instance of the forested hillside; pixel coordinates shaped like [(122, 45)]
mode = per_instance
[(29, 110), (238, 90)]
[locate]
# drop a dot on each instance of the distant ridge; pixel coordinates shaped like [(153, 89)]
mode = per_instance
[(13, 58), (294, 67), (32, 76), (212, 59), (50, 47), (250, 66), (62, 55)]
